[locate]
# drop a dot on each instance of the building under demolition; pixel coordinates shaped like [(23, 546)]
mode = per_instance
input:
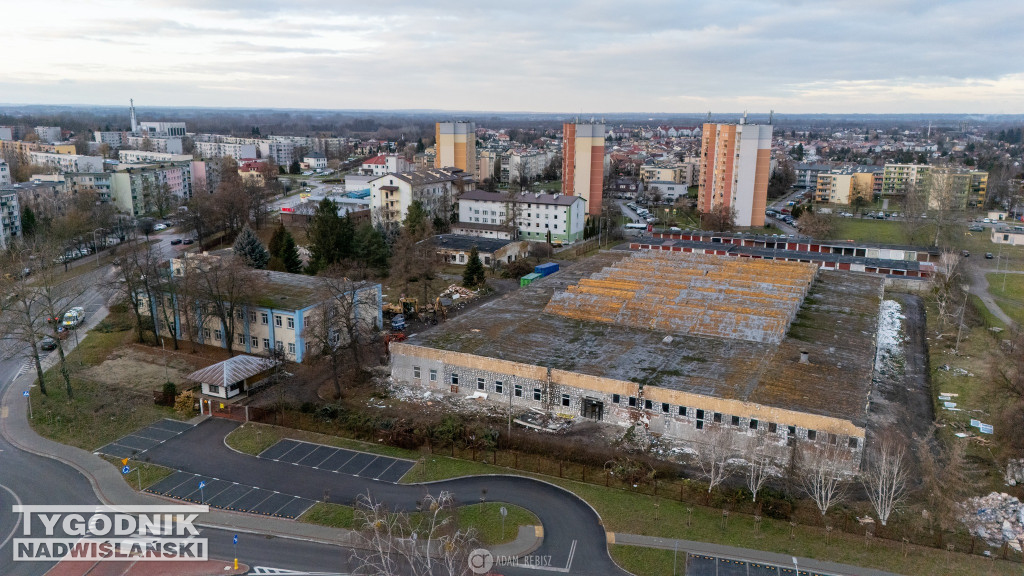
[(679, 343)]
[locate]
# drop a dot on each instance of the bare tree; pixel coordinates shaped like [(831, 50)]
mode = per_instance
[(394, 544), (824, 474), (344, 322), (225, 287), (885, 476), (816, 224), (721, 218), (944, 202), (946, 481), (915, 213), (713, 456), (761, 457)]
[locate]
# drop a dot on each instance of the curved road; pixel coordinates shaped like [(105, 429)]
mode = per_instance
[(573, 536)]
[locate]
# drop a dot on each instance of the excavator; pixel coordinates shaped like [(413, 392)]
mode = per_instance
[(410, 308)]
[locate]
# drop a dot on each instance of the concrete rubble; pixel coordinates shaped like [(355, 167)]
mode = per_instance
[(997, 519), (1014, 472)]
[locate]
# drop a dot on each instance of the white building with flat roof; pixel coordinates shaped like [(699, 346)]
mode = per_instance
[(48, 134), (161, 129), (67, 162)]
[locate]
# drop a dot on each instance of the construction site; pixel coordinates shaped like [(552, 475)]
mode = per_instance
[(678, 344)]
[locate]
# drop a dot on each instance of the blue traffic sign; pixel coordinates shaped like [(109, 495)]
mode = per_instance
[(125, 470), (236, 538), (202, 484), (25, 393)]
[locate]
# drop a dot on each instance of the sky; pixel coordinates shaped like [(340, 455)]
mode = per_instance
[(592, 56)]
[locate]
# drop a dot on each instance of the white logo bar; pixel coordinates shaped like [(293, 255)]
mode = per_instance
[(95, 550), (160, 509)]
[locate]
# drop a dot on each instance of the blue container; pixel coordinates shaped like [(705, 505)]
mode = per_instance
[(546, 269)]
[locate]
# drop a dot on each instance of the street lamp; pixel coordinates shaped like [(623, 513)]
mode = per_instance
[(95, 247)]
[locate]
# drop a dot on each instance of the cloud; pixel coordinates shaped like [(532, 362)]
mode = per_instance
[(532, 55)]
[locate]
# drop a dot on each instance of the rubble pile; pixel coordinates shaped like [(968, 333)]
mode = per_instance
[(1014, 472), (996, 518), (456, 292)]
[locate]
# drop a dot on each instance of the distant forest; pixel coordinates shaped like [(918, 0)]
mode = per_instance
[(414, 124)]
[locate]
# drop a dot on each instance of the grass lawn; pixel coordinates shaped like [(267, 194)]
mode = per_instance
[(141, 472), (1008, 292), (873, 231), (648, 561), (333, 515), (989, 319), (97, 413), (486, 520)]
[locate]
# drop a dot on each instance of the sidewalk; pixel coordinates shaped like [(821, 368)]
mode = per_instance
[(979, 287), (742, 554)]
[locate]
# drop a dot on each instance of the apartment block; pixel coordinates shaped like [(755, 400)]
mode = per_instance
[(735, 168), (583, 163), (168, 144), (137, 156), (67, 162), (385, 164), (112, 138), (10, 218), (5, 174), (843, 185), (221, 149), (134, 188), (534, 215), (48, 134), (455, 146), (391, 195)]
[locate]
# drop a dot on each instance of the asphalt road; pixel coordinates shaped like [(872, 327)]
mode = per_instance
[(573, 537)]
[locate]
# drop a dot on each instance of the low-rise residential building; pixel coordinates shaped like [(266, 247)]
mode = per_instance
[(252, 171), (947, 186), (535, 215), (10, 218), (278, 319), (667, 190), (385, 164), (528, 164), (67, 162), (1011, 237), (456, 248), (807, 174), (391, 195), (315, 161), (98, 183), (667, 172), (843, 185)]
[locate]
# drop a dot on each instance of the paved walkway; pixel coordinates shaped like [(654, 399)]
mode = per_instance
[(743, 554), (979, 287)]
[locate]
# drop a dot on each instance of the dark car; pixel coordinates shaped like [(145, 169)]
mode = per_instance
[(989, 256), (187, 241), (176, 241), (965, 253), (47, 343)]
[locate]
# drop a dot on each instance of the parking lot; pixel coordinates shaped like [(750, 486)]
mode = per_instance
[(132, 445), (340, 460), (229, 495)]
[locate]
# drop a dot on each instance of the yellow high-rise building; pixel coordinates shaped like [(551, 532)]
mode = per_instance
[(455, 146)]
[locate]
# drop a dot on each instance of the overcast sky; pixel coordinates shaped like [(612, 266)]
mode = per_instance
[(869, 56)]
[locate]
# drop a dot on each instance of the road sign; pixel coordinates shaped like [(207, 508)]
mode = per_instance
[(236, 539), (124, 461), (125, 470), (202, 484), (25, 393), (504, 512)]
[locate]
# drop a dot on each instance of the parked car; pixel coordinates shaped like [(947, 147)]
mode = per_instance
[(965, 253), (187, 241), (47, 344), (159, 227), (989, 256), (176, 241), (977, 228)]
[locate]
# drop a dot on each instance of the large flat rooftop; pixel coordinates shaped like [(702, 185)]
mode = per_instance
[(835, 324)]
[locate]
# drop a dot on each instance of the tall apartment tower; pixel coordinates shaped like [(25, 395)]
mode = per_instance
[(135, 123), (455, 146), (583, 163), (735, 166)]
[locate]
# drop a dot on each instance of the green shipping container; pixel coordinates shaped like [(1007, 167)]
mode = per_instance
[(528, 279)]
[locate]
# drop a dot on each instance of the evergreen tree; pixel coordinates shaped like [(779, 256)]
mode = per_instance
[(277, 241), (325, 231), (249, 248), (474, 275), (290, 255), (415, 219), (295, 168), (28, 222), (371, 247)]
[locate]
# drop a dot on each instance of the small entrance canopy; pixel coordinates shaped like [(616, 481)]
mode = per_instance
[(232, 376)]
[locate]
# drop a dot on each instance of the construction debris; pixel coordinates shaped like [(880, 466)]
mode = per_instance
[(456, 292), (997, 519), (1014, 472)]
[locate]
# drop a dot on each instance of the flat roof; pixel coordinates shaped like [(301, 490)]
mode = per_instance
[(836, 325)]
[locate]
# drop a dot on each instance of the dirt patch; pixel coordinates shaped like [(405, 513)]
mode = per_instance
[(144, 368)]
